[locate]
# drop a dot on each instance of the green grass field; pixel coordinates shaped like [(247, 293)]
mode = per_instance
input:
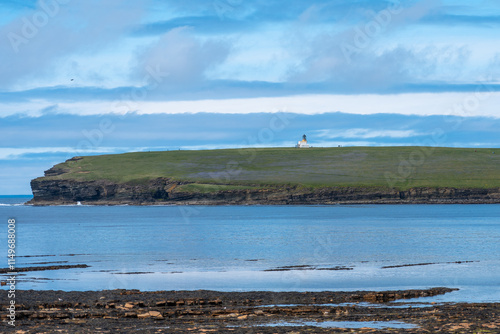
[(399, 167)]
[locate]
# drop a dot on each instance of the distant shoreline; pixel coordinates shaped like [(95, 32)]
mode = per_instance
[(70, 192), (159, 204)]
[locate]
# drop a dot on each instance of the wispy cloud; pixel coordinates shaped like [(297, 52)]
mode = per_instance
[(366, 133), (181, 57), (11, 153), (464, 104), (447, 19)]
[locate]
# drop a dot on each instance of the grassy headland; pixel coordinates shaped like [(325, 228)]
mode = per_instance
[(379, 167)]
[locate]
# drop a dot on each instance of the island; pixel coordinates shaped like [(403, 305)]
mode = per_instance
[(277, 176)]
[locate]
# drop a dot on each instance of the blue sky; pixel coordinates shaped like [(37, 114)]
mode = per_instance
[(90, 77)]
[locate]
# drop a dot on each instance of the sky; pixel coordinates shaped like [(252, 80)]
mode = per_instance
[(86, 77)]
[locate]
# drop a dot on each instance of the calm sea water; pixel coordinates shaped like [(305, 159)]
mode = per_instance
[(232, 248)]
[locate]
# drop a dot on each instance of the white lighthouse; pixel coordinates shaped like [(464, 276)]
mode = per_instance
[(303, 143)]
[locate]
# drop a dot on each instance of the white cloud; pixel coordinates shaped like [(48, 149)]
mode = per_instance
[(10, 153), (468, 104), (182, 56), (335, 143), (365, 133)]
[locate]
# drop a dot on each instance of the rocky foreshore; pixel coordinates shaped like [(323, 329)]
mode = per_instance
[(164, 191), (133, 311)]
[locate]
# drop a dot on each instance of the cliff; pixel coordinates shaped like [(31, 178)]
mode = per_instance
[(163, 191)]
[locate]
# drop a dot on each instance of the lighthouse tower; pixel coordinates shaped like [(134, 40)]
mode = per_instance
[(303, 143)]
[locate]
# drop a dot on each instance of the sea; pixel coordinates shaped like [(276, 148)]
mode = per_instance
[(257, 248)]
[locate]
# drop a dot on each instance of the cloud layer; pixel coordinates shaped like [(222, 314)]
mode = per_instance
[(252, 48), (90, 77)]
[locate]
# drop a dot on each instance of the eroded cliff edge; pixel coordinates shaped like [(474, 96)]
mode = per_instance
[(163, 191)]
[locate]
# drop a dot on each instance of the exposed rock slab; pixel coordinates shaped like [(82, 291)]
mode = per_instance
[(241, 312)]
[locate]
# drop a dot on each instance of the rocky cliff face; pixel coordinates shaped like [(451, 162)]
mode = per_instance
[(163, 191)]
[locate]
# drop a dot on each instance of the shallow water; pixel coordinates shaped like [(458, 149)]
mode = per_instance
[(231, 248), (343, 324)]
